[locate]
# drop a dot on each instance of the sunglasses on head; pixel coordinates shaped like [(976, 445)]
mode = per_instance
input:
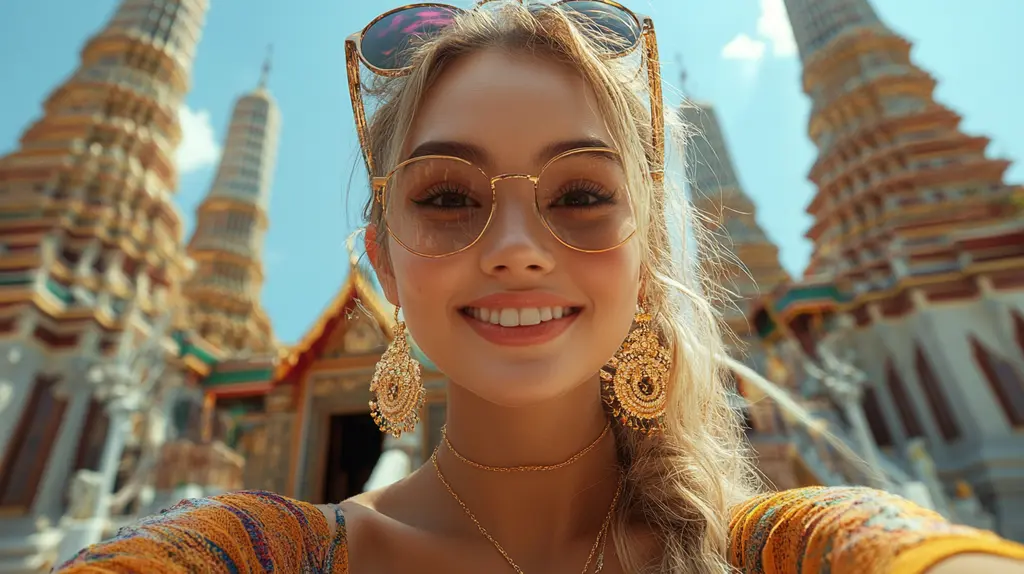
[(385, 46)]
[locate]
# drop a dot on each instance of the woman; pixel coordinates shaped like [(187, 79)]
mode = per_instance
[(520, 221)]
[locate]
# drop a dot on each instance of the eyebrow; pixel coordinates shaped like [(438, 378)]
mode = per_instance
[(479, 156)]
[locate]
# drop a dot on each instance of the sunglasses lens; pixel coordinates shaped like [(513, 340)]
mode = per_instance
[(616, 29), (385, 44)]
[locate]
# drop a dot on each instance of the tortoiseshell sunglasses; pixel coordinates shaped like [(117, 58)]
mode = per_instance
[(383, 46)]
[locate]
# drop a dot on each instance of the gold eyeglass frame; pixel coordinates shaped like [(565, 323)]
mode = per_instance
[(380, 188), (647, 37)]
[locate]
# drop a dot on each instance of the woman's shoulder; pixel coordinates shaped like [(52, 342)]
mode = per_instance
[(767, 502), (245, 530), (814, 526), (795, 509)]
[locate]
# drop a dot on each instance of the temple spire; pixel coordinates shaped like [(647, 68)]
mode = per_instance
[(730, 215), (231, 224), (815, 23), (265, 72)]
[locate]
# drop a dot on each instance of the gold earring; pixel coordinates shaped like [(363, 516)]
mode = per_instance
[(634, 382), (396, 390)]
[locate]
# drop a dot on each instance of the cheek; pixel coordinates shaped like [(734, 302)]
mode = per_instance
[(425, 286), (611, 280)]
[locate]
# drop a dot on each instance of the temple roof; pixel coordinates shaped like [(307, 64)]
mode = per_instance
[(357, 287), (810, 295), (198, 354), (239, 377)]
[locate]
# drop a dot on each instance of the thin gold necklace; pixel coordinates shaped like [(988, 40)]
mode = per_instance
[(524, 468), (601, 534)]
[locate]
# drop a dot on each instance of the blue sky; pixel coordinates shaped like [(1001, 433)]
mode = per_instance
[(738, 55)]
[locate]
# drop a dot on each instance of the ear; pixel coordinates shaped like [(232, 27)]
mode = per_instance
[(381, 264)]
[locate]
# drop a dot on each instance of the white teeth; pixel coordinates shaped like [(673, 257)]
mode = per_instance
[(529, 316), (509, 317), (524, 317)]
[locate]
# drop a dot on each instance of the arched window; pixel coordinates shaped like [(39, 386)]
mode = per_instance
[(94, 435), (908, 416), (1004, 380), (30, 445), (1018, 327), (876, 420), (936, 397)]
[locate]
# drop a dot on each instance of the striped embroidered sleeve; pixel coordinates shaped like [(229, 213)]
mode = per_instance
[(849, 531), (237, 532)]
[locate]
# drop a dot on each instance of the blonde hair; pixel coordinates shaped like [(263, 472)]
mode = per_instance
[(683, 482)]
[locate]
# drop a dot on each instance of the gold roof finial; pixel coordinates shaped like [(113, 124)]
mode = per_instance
[(265, 72), (350, 246), (683, 75)]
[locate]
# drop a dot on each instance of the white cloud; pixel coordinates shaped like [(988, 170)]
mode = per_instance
[(743, 47), (773, 30), (773, 26), (199, 147)]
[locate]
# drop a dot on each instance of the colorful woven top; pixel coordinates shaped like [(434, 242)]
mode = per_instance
[(808, 530)]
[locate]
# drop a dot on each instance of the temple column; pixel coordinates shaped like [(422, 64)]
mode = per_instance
[(91, 491), (119, 415)]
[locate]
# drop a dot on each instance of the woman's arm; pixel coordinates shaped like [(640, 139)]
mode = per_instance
[(237, 532), (974, 563), (856, 531)]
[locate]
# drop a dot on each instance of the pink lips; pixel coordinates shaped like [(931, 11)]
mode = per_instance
[(523, 335), (521, 300)]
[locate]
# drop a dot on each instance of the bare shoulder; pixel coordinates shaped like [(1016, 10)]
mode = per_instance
[(390, 529), (369, 512), (358, 508)]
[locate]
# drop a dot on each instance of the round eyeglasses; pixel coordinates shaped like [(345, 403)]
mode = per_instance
[(436, 205)]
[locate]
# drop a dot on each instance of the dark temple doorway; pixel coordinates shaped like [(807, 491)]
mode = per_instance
[(353, 446)]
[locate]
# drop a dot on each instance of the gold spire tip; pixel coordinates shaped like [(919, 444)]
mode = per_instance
[(265, 72), (683, 75)]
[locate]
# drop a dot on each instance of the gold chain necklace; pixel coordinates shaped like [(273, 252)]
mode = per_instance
[(524, 468), (601, 534)]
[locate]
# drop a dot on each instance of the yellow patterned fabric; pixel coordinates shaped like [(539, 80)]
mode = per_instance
[(233, 533), (802, 531), (849, 531)]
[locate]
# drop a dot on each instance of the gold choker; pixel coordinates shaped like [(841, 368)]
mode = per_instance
[(525, 468)]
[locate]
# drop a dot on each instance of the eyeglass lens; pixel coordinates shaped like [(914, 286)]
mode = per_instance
[(438, 206)]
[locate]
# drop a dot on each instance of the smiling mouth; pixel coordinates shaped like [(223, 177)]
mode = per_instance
[(519, 317)]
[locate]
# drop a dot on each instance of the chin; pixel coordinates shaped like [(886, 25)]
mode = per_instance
[(526, 385), (517, 384)]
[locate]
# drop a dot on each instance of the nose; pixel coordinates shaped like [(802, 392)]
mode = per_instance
[(516, 244)]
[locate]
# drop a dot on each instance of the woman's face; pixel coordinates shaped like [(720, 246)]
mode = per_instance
[(512, 110)]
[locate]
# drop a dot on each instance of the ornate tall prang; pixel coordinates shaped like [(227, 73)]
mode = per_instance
[(753, 265), (227, 244), (749, 268), (924, 240), (90, 255), (815, 23)]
